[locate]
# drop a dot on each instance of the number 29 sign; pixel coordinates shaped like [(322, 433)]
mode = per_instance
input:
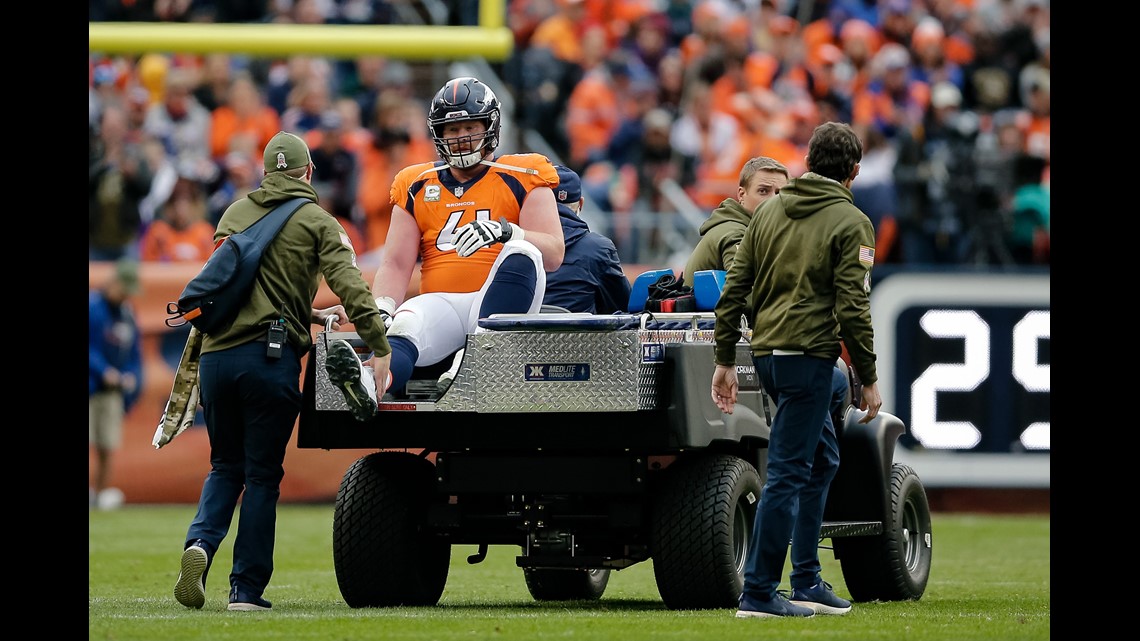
[(963, 359)]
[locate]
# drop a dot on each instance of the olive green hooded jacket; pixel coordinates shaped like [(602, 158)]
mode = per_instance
[(806, 261), (312, 244), (720, 235)]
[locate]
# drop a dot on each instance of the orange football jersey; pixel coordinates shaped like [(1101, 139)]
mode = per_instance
[(441, 205)]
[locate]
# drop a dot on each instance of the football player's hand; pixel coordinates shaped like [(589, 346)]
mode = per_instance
[(481, 233)]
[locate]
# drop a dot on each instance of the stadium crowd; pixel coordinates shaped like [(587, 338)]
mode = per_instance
[(950, 97)]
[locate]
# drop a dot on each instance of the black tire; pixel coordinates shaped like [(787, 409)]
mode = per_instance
[(558, 584), (893, 566), (702, 524), (381, 555)]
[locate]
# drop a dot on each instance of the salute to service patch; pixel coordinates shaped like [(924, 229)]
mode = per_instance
[(866, 255)]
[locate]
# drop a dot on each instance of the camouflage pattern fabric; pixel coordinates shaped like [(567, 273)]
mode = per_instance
[(183, 402)]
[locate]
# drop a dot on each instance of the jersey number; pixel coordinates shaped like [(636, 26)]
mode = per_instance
[(445, 241)]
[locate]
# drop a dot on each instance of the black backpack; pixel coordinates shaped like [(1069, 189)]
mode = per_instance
[(212, 299), (670, 294)]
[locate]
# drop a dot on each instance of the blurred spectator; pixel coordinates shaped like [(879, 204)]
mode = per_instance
[(936, 180), (241, 174), (181, 232), (137, 104), (680, 15), (618, 16), (640, 100), (593, 110), (354, 136), (543, 83), (376, 75), (653, 160), (928, 44), (896, 21), (649, 39), (118, 178), (988, 82), (831, 84), (336, 175), (782, 66), (164, 174), (217, 73), (114, 373), (182, 124), (708, 19), (561, 32), (392, 148), (1029, 233), (284, 77), (893, 101), (1033, 83), (308, 102), (859, 41), (524, 16), (708, 141), (671, 82), (787, 135), (108, 83), (244, 113)]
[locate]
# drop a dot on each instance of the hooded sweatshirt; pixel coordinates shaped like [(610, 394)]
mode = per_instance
[(312, 244), (720, 235), (805, 260)]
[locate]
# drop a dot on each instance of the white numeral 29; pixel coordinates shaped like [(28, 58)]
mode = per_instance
[(968, 375)]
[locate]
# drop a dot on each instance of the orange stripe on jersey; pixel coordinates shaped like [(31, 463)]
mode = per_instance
[(441, 205)]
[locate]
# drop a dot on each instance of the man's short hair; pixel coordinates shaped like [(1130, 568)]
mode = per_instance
[(760, 163), (834, 150)]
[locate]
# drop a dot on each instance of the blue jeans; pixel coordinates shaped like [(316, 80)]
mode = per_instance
[(251, 404), (803, 457)]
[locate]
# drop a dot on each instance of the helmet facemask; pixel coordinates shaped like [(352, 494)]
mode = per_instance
[(463, 100), (479, 145)]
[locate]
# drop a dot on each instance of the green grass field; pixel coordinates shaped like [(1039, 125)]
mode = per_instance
[(989, 580)]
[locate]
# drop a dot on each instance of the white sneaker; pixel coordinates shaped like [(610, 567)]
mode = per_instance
[(110, 499), (348, 373)]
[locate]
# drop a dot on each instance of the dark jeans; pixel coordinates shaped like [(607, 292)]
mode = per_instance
[(803, 457), (251, 404)]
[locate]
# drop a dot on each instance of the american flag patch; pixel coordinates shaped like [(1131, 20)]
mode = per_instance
[(866, 255)]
